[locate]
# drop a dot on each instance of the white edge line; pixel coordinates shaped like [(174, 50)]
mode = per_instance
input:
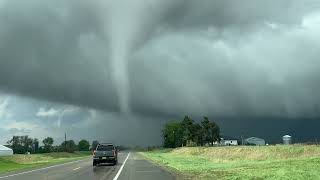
[(120, 170), (41, 169), (76, 168)]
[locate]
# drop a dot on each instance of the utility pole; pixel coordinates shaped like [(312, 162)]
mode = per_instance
[(242, 140), (65, 142)]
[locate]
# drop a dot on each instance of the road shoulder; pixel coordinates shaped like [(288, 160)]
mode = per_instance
[(177, 174), (138, 167)]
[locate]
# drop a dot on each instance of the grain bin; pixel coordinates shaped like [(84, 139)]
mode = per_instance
[(287, 139)]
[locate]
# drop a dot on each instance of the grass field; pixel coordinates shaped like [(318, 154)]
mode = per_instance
[(242, 162), (18, 162)]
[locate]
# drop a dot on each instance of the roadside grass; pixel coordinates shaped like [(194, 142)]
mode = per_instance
[(19, 162), (242, 162)]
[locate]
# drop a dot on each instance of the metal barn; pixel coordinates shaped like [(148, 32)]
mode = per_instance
[(4, 151), (255, 141)]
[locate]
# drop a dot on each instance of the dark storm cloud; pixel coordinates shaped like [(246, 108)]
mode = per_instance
[(40, 54), (39, 119), (195, 14), (226, 79), (191, 57)]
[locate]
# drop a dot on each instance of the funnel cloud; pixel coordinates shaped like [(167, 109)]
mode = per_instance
[(165, 59)]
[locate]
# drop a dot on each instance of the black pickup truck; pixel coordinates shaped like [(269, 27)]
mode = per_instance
[(105, 153)]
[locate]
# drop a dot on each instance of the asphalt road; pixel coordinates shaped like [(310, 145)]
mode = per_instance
[(131, 166)]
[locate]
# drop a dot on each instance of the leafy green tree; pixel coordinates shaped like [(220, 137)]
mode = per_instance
[(197, 134), (15, 145), (70, 146), (189, 133), (94, 144), (172, 135), (206, 129), (215, 132), (211, 131), (83, 145), (187, 130), (26, 143), (48, 142), (20, 144)]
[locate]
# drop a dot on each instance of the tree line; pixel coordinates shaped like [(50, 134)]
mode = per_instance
[(189, 133), (25, 144)]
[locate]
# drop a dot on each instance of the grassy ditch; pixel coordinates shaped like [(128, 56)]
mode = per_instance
[(19, 162), (242, 162)]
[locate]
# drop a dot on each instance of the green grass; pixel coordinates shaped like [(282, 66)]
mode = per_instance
[(268, 162), (19, 162)]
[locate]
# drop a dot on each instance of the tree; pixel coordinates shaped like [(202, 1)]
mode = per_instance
[(211, 131), (206, 129), (94, 144), (20, 144), (83, 145), (70, 146), (189, 133), (172, 135), (187, 130), (26, 143), (15, 145), (198, 134), (215, 132), (48, 142)]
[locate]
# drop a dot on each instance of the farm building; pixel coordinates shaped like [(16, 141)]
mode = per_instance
[(228, 141), (255, 141), (287, 139), (4, 151)]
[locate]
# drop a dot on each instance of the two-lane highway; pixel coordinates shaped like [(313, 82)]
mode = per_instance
[(131, 166)]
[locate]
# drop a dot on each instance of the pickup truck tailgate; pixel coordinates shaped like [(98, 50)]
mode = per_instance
[(104, 153)]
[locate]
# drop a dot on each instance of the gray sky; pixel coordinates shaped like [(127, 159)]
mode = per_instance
[(97, 62)]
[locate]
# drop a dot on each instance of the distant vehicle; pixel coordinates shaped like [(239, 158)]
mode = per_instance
[(105, 153)]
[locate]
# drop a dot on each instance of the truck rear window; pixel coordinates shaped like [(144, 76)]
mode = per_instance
[(105, 148)]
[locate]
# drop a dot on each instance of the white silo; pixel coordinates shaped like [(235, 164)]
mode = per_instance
[(287, 139)]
